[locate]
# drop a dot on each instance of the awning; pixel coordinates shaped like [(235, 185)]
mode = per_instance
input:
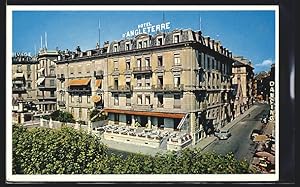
[(96, 98), (41, 70), (18, 75), (98, 83), (79, 82), (40, 80), (142, 113)]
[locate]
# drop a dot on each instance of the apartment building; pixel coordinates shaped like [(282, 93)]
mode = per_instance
[(177, 80), (80, 77), (46, 80), (242, 83), (23, 85)]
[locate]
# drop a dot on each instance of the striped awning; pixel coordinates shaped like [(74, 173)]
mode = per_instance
[(79, 82), (98, 83)]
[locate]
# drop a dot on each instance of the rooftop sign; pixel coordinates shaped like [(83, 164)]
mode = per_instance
[(146, 28)]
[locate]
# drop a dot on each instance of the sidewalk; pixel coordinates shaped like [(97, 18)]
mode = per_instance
[(207, 141)]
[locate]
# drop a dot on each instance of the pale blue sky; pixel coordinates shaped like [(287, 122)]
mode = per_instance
[(247, 33)]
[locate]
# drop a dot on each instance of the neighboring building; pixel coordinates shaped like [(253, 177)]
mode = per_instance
[(262, 85), (242, 83), (46, 80), (23, 87), (80, 77)]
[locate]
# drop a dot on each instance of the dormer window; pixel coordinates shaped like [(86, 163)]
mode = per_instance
[(115, 48), (127, 47), (159, 41), (145, 44), (176, 38), (140, 45)]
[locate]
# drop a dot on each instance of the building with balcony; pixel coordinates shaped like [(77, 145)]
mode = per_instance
[(80, 77), (23, 86), (178, 81), (46, 80), (242, 83)]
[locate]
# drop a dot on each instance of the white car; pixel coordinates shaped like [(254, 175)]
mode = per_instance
[(222, 134)]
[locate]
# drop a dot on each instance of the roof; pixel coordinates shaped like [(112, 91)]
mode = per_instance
[(98, 83), (142, 113), (79, 82)]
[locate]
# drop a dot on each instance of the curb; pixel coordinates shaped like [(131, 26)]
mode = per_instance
[(215, 138)]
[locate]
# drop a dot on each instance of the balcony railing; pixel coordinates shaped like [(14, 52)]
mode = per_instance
[(123, 88), (46, 97), (142, 107), (160, 69), (45, 86), (143, 69), (61, 103), (168, 87), (18, 89), (77, 91)]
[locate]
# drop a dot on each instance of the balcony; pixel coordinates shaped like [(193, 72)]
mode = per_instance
[(123, 88), (142, 88), (168, 88), (79, 91), (43, 97), (142, 107), (143, 69), (46, 86), (160, 69), (128, 72), (61, 103), (19, 89)]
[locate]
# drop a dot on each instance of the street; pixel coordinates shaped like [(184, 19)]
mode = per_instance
[(240, 143)]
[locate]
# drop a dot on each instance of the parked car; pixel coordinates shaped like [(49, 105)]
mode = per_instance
[(222, 134)]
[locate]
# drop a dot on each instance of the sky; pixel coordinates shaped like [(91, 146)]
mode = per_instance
[(246, 33)]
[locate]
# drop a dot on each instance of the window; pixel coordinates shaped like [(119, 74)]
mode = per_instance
[(238, 70), (29, 85), (177, 101), (160, 81), (140, 45), (139, 81), (159, 41), (160, 61), (176, 38), (52, 94), (52, 73), (80, 99), (212, 64), (116, 84), (147, 99), (127, 84), (147, 62), (128, 65), (138, 63), (147, 80), (176, 81), (116, 118), (127, 47), (128, 99), (160, 99), (52, 83), (80, 113), (28, 68), (116, 99), (176, 59), (145, 44), (139, 100), (88, 98), (115, 48), (72, 111), (28, 76), (116, 65)]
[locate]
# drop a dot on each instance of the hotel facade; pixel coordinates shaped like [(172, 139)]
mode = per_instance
[(178, 80)]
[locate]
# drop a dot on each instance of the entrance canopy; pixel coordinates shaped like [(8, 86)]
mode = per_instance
[(79, 82)]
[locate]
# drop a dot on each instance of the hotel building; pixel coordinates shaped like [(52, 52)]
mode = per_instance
[(178, 80)]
